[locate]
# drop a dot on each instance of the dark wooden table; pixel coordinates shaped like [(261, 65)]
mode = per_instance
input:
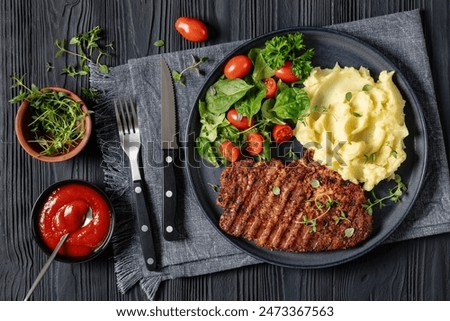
[(411, 270)]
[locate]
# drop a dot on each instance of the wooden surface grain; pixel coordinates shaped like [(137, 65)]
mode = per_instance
[(411, 270)]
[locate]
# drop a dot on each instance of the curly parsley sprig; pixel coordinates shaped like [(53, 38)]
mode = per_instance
[(290, 47)]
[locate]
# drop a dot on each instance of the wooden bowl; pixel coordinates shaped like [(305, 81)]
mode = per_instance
[(24, 135)]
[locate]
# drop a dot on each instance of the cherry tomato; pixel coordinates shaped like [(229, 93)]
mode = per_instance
[(282, 133), (271, 87), (230, 151), (285, 73), (238, 67), (192, 29), (239, 121), (255, 143)]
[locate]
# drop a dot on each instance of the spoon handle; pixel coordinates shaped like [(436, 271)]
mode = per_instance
[(46, 266)]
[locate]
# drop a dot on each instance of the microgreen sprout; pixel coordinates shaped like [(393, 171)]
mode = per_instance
[(57, 121)]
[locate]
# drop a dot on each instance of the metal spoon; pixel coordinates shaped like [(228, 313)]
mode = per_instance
[(47, 264)]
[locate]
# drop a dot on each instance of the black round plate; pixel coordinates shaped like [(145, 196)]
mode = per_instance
[(330, 47)]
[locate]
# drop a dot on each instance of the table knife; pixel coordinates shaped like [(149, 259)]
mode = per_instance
[(169, 147)]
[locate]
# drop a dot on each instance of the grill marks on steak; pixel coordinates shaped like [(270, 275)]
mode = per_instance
[(301, 218)]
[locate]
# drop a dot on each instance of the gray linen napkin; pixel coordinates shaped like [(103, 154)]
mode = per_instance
[(399, 36)]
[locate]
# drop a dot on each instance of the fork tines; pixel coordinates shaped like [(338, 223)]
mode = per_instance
[(126, 116)]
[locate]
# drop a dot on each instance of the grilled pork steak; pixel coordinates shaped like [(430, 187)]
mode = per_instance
[(299, 207)]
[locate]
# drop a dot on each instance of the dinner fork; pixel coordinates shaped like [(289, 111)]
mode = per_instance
[(130, 141)]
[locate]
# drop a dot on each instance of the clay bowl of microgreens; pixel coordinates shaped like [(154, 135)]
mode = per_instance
[(52, 124)]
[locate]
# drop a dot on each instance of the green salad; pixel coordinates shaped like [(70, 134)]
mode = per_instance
[(256, 102)]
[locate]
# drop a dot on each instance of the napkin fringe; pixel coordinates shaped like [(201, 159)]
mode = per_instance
[(150, 285), (107, 82)]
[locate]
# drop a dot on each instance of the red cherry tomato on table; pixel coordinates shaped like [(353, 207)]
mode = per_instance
[(255, 143), (238, 67), (282, 133), (239, 121), (230, 151), (191, 29), (285, 73), (271, 87)]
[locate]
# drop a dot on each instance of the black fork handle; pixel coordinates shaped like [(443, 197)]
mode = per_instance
[(144, 226)]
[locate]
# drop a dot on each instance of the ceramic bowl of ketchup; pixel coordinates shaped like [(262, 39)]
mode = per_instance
[(62, 208)]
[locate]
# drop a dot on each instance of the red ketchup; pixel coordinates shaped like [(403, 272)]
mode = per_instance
[(65, 211)]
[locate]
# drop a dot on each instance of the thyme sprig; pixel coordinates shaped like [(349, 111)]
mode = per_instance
[(341, 217), (312, 223), (394, 195)]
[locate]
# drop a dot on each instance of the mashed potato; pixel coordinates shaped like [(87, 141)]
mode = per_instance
[(356, 125)]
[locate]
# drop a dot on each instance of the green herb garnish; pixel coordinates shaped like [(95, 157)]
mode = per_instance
[(291, 154), (276, 190), (290, 47), (315, 183), (90, 93), (370, 158), (88, 49), (394, 195), (356, 114), (349, 232), (178, 76), (348, 96), (342, 217), (312, 223), (58, 122), (214, 187), (49, 67), (366, 87), (330, 202), (159, 43)]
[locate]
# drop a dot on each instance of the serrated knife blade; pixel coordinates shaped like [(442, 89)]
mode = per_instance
[(168, 109), (169, 151)]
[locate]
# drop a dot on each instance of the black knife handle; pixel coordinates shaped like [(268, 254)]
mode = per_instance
[(144, 226), (169, 197)]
